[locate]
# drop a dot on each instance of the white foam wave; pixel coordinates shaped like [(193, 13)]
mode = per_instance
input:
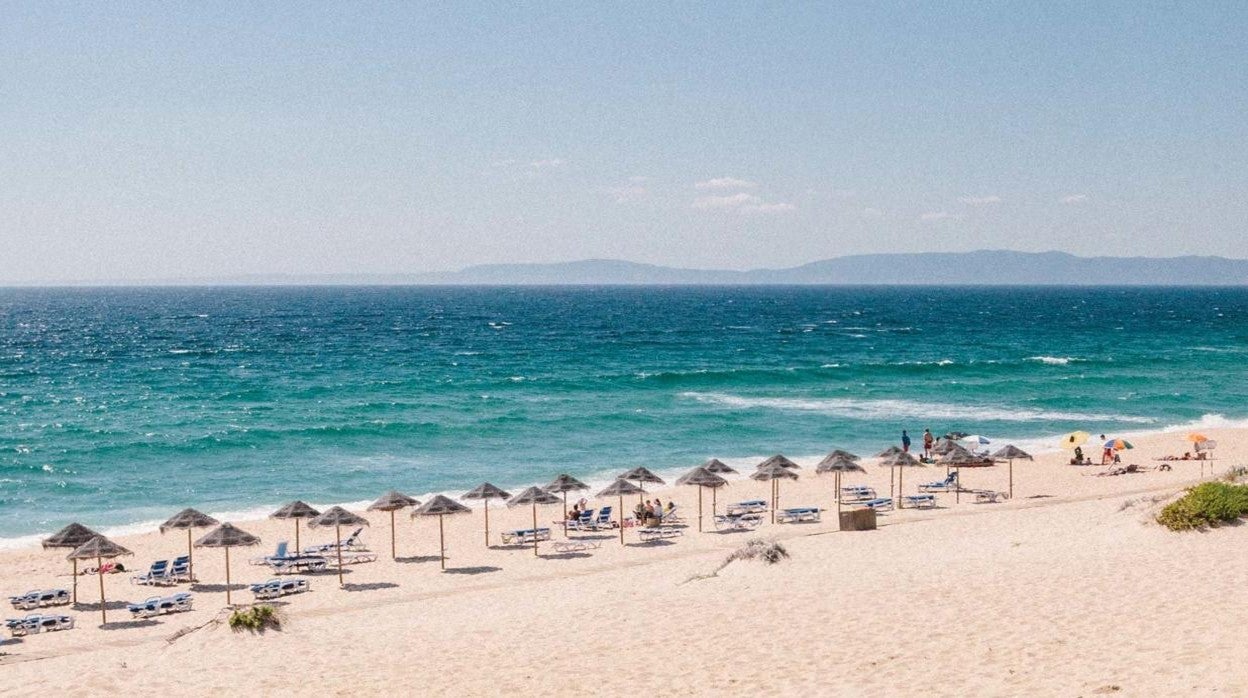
[(1054, 360), (892, 409)]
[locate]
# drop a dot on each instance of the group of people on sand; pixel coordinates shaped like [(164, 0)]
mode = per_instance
[(929, 442), (651, 513)]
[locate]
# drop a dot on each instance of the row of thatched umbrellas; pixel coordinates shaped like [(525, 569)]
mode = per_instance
[(86, 544)]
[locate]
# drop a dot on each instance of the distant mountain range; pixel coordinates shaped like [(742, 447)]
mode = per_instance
[(991, 268)]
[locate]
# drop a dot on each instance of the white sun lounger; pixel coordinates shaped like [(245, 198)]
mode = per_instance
[(275, 588), (921, 501), (37, 623), (525, 535), (879, 504), (158, 605), (988, 496), (749, 506), (738, 522), (857, 493), (798, 515), (158, 574), (40, 598), (652, 533)]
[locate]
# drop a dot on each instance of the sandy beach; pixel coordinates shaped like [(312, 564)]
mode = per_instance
[(1067, 589)]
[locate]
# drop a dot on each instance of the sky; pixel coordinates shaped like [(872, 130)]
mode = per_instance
[(153, 141)]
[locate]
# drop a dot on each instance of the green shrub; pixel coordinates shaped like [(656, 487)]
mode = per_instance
[(256, 619), (1204, 506)]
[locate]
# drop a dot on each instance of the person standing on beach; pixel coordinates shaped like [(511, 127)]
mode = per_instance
[(927, 443), (905, 441)]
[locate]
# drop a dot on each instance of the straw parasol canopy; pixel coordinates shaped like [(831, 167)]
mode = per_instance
[(564, 484), (619, 488), (338, 517), (1011, 452), (189, 519), (956, 460), (890, 451), (842, 453), (227, 536), (71, 537), (838, 462), (900, 460), (392, 501), (440, 506), (533, 496), (718, 467), (485, 492), (775, 472), (701, 478), (781, 461), (296, 510), (99, 548)]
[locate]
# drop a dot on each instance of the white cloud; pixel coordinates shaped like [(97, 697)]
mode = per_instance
[(725, 183), (980, 200), (710, 203), (1074, 199), (935, 216), (550, 162), (765, 208), (624, 195)]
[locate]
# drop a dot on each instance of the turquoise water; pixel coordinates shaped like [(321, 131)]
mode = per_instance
[(122, 405)]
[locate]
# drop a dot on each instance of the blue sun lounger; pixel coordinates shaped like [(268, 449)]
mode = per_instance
[(275, 588), (38, 623), (856, 494), (40, 598), (749, 506), (158, 605), (526, 535), (158, 574), (798, 515), (947, 485), (921, 501), (879, 504)]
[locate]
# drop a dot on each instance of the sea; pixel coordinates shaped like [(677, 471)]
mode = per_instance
[(120, 406)]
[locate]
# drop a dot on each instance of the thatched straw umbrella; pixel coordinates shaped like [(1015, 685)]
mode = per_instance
[(718, 467), (440, 506), (1010, 452), (485, 492), (781, 461), (889, 453), (189, 519), (338, 517), (392, 501), (534, 496), (774, 472), (899, 461), (642, 476), (944, 447), (227, 536), (701, 477), (838, 462), (955, 459), (296, 510), (842, 453), (99, 548), (70, 537), (564, 484), (619, 488)]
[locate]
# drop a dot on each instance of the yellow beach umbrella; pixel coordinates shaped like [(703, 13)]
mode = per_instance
[(1075, 439)]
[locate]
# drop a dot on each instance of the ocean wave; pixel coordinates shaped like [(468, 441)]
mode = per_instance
[(1054, 360), (885, 409)]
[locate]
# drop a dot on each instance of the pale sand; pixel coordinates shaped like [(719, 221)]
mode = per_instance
[(1071, 593)]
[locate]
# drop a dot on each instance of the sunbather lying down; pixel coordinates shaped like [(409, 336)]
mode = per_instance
[(1124, 470), (106, 568)]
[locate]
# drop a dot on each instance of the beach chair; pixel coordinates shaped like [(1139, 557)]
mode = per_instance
[(649, 534), (988, 496), (280, 554), (603, 520), (749, 506), (157, 605), (855, 494), (158, 574), (352, 558), (525, 535), (40, 598), (275, 588), (583, 522), (672, 516), (947, 485), (879, 504), (921, 501), (351, 542), (798, 515), (37, 623), (737, 522), (180, 570), (576, 545), (294, 564)]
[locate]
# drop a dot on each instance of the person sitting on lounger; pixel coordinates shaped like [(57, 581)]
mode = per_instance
[(574, 513)]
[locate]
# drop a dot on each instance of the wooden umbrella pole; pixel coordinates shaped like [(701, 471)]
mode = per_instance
[(699, 508), (957, 489), (487, 523), (838, 500), (441, 542), (621, 515), (297, 548), (565, 514), (714, 502), (190, 559), (773, 501), (1011, 478), (901, 478), (338, 537), (99, 568), (394, 551), (227, 576), (75, 570), (535, 529), (892, 479)]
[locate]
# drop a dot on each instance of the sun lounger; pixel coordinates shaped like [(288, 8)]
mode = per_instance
[(921, 501), (576, 545), (37, 623), (583, 522), (158, 574), (672, 516), (798, 515), (737, 522), (40, 598), (351, 542), (857, 493), (525, 535), (649, 534), (603, 520), (749, 506), (180, 570), (988, 496), (946, 485), (275, 588), (281, 553), (879, 504), (295, 564), (158, 605), (352, 558)]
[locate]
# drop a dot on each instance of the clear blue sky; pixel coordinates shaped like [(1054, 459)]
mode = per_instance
[(158, 140)]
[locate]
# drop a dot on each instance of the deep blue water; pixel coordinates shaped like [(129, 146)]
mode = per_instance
[(123, 405)]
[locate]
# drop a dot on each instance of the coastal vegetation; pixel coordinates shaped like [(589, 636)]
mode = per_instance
[(1205, 506), (255, 619)]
